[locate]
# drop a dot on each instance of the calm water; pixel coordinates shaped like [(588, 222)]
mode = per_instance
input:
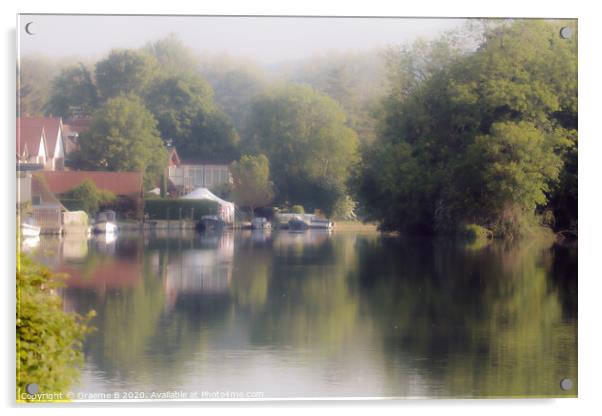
[(319, 314)]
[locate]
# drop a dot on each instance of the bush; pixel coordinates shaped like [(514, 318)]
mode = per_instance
[(49, 340), (86, 197), (297, 209), (163, 209)]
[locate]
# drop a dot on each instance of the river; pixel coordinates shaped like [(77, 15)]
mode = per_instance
[(315, 314)]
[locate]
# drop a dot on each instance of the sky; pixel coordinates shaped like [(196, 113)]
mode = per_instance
[(266, 40)]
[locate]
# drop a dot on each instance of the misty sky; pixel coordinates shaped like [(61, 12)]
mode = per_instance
[(266, 40)]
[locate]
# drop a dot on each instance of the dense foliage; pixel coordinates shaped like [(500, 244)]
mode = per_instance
[(49, 340), (123, 137), (310, 149), (73, 90), (474, 136), (251, 182), (86, 197)]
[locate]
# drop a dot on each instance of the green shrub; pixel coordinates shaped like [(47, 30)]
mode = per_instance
[(49, 340), (297, 209), (163, 209), (86, 197)]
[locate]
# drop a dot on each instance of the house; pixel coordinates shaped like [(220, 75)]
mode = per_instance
[(29, 130), (186, 176), (31, 144)]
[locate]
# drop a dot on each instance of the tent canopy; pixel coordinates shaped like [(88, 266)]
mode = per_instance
[(226, 209), (204, 193)]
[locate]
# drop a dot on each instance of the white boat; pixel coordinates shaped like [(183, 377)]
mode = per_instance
[(105, 223), (29, 228), (321, 223), (105, 227)]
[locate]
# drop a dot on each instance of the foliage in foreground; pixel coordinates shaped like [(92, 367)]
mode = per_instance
[(49, 340)]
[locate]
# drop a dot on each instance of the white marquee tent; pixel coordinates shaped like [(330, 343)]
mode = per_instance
[(225, 210)]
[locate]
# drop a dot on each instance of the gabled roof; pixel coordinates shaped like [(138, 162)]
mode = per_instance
[(52, 127), (174, 158), (29, 139), (119, 183)]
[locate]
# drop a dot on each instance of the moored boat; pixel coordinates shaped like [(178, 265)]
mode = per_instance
[(210, 223), (321, 224), (297, 225), (106, 223)]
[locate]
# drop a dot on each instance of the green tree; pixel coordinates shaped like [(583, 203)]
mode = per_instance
[(234, 89), (87, 197), (472, 135), (49, 340), (125, 71), (123, 137), (252, 187), (303, 134), (186, 114), (72, 87)]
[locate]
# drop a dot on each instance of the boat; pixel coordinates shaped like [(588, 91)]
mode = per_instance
[(105, 223), (325, 224), (260, 223), (297, 225), (210, 223), (30, 228)]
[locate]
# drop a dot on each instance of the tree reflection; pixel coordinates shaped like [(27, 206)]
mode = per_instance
[(485, 322)]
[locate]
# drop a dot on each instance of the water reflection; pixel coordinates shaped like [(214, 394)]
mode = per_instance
[(323, 314)]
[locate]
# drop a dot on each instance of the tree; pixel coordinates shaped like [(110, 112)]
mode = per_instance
[(252, 187), (125, 71), (72, 87), (123, 137), (234, 91), (303, 134), (34, 75), (87, 197), (172, 56), (472, 135), (186, 114)]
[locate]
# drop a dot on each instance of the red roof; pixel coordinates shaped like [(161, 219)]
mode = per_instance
[(29, 138), (51, 125), (119, 183)]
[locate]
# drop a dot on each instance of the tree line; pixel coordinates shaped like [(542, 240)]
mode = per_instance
[(475, 128)]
